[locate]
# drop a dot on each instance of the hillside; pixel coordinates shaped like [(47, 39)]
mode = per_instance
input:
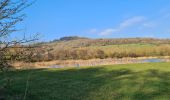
[(85, 48), (85, 42)]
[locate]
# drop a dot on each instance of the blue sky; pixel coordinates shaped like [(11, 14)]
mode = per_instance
[(98, 18)]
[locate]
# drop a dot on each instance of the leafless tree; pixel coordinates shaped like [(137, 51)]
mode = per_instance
[(11, 14)]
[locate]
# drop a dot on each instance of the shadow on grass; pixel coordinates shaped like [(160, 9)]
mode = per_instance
[(91, 84)]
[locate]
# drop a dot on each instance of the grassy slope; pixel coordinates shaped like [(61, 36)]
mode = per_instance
[(123, 47), (132, 81)]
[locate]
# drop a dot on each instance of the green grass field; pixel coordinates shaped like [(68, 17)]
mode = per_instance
[(115, 82)]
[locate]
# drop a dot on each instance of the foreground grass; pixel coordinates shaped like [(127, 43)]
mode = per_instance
[(128, 82)]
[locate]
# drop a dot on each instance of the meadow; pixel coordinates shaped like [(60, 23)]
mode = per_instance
[(149, 81)]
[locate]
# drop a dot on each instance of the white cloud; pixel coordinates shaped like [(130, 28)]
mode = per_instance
[(139, 24), (132, 21), (107, 32), (124, 25)]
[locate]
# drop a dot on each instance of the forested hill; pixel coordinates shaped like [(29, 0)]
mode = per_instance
[(86, 48)]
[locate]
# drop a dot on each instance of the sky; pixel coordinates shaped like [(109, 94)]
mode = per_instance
[(53, 19)]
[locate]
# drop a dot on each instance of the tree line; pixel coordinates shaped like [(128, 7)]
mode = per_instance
[(100, 53)]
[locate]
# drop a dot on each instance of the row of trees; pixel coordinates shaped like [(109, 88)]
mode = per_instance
[(93, 53), (42, 55)]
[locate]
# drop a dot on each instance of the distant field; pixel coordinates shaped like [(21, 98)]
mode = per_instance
[(150, 81)]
